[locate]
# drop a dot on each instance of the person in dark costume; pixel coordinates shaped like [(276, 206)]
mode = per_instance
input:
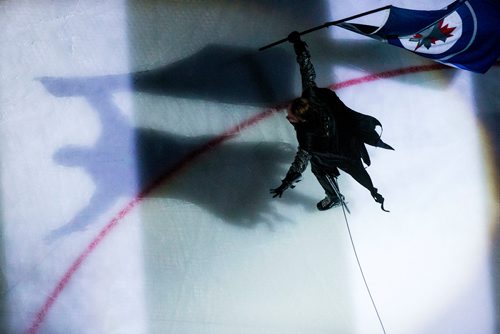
[(330, 135)]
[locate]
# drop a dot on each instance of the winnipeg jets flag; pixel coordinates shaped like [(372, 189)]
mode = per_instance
[(465, 34)]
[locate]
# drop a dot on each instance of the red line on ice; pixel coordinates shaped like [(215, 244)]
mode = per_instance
[(63, 282)]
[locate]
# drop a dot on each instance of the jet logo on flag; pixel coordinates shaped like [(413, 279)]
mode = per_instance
[(433, 34), (465, 34)]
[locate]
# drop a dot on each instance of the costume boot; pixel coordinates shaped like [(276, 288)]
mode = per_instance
[(329, 202)]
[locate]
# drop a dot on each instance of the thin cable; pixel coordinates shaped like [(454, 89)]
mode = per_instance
[(361, 269)]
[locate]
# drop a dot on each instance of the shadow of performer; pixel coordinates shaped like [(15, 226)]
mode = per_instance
[(222, 74)]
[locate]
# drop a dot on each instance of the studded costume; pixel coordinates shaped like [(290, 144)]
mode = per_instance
[(331, 137)]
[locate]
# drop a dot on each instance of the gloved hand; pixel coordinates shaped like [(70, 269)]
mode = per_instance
[(278, 192), (298, 45), (294, 37), (285, 184)]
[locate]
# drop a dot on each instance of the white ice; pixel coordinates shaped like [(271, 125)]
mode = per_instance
[(117, 218)]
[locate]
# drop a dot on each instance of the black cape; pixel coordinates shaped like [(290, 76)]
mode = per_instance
[(349, 130)]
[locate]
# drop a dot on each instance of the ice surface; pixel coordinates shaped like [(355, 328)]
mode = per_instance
[(135, 195)]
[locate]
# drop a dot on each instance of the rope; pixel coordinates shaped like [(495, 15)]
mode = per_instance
[(361, 269), (344, 209)]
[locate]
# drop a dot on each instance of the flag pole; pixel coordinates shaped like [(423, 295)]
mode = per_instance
[(327, 24)]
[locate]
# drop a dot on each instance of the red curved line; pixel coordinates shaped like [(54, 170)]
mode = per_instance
[(61, 285), (389, 74)]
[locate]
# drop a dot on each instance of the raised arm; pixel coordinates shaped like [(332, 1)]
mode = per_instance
[(307, 72)]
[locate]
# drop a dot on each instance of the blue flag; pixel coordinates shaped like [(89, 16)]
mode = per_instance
[(465, 34)]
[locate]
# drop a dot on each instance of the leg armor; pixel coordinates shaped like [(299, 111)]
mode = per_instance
[(324, 182)]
